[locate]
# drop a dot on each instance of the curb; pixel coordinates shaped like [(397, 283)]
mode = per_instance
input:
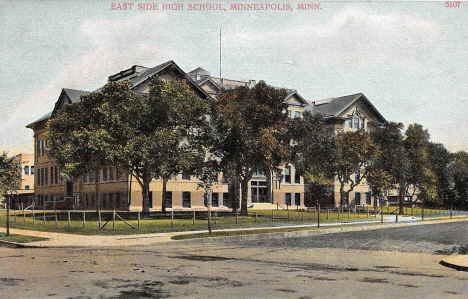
[(9, 244), (456, 261)]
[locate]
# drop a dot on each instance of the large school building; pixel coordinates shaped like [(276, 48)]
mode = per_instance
[(119, 190)]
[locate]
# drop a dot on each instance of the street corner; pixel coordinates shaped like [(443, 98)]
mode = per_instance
[(456, 261)]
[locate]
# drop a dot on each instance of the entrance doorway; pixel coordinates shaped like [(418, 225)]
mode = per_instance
[(259, 191)]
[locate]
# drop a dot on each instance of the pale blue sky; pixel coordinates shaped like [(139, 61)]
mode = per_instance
[(409, 58)]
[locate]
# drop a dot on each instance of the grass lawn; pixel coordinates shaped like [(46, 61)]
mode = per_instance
[(20, 238), (160, 222)]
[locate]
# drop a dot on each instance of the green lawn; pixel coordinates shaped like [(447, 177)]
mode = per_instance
[(160, 222), (20, 238)]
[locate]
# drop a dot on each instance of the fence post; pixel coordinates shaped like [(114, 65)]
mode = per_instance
[(216, 216), (55, 222), (24, 216), (255, 216), (367, 212), (68, 223), (33, 215), (43, 220), (318, 216), (113, 219), (172, 217), (237, 216), (339, 213), (328, 213), (349, 213), (422, 212), (302, 214), (138, 222), (194, 217), (288, 215), (272, 216), (277, 206), (84, 218), (99, 219), (14, 216)]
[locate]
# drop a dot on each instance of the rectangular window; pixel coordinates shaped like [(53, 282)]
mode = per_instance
[(368, 198), (215, 200), (350, 122), (297, 114), (357, 198), (168, 199), (26, 170), (287, 175), (51, 175), (111, 174), (297, 177), (297, 199), (258, 172), (46, 176), (226, 200), (356, 122), (111, 200), (118, 200), (186, 200), (104, 174), (289, 113), (32, 169), (356, 177), (38, 177), (56, 174), (287, 199), (362, 124)]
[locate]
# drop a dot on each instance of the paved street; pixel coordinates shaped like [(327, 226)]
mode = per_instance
[(391, 262)]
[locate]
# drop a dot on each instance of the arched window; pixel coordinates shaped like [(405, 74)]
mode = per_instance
[(26, 187), (26, 170), (32, 169)]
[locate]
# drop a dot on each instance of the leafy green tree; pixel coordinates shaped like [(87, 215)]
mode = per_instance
[(391, 160), (441, 161), (420, 175), (353, 152), (252, 133), (312, 153), (460, 178), (10, 180), (148, 136)]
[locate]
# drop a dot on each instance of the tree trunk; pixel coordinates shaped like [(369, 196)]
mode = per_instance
[(342, 195), (163, 203), (401, 195), (145, 194), (244, 191)]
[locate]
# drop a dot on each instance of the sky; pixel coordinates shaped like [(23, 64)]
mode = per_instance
[(410, 59)]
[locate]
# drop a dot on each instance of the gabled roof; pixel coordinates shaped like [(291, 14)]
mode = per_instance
[(47, 116), (292, 93), (67, 94), (136, 78), (334, 107)]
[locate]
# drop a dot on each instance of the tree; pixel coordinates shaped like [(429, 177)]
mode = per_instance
[(312, 153), (391, 159), (252, 133), (353, 151), (77, 140), (441, 162), (180, 122), (420, 175), (10, 179), (147, 135), (460, 177)]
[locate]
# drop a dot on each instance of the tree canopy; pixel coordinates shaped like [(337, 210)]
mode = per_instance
[(251, 132), (150, 136)]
